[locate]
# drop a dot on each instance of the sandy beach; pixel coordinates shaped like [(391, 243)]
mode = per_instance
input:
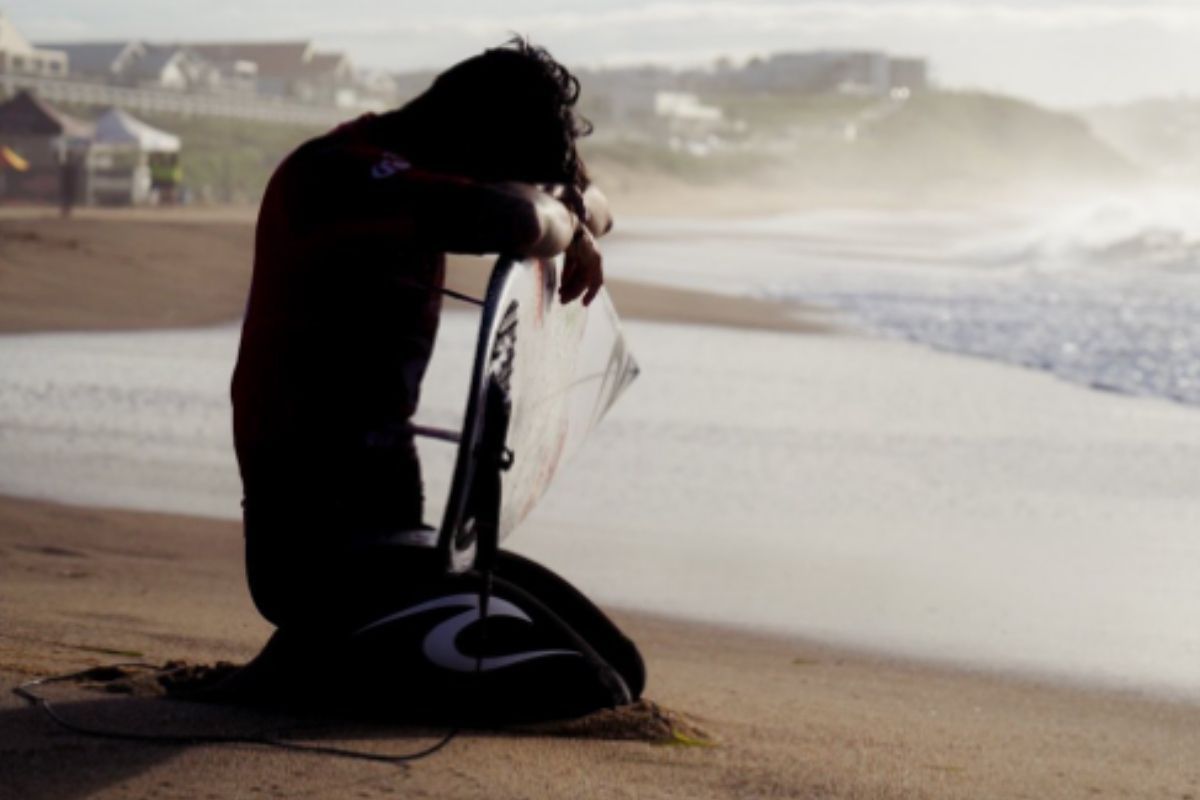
[(775, 716), (129, 270), (787, 718)]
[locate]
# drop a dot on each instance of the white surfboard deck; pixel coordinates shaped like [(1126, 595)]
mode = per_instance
[(544, 375)]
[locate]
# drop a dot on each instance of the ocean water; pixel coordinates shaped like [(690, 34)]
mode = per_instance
[(844, 488), (1130, 334), (1104, 293)]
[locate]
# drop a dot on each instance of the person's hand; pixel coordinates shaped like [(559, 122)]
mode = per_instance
[(572, 197), (583, 269)]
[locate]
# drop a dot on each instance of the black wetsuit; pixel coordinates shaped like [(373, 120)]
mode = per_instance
[(339, 329)]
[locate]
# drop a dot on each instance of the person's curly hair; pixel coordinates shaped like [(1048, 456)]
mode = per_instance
[(509, 114)]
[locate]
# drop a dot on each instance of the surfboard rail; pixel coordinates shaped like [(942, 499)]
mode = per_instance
[(544, 374)]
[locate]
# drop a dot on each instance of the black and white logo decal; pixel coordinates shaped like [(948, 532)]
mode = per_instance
[(441, 643)]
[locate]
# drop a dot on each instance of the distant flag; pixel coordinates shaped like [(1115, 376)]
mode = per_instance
[(11, 159)]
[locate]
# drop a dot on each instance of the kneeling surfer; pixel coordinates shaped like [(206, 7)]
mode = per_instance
[(340, 324)]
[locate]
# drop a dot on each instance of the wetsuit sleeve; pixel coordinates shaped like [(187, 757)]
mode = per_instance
[(354, 193)]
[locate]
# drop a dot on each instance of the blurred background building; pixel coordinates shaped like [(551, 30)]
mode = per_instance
[(19, 57)]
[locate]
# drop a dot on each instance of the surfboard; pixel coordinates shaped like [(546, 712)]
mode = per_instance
[(544, 375)]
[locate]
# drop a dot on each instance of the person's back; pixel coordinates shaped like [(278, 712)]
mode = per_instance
[(339, 326)]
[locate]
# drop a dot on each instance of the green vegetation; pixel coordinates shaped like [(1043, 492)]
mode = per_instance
[(933, 144), (777, 112), (230, 160), (224, 160)]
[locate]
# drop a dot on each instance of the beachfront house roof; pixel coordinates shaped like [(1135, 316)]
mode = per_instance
[(122, 129), (173, 67), (280, 60), (100, 59), (286, 69), (27, 115), (18, 56), (158, 65), (137, 63), (329, 65)]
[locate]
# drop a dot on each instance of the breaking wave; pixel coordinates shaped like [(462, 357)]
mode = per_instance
[(1152, 233), (1106, 295)]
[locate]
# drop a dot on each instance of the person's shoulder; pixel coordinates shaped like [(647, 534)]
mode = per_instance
[(317, 152), (350, 147)]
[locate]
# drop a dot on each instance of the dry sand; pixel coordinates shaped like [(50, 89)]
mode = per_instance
[(116, 270), (84, 587)]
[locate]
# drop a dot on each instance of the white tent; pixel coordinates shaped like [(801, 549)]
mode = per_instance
[(115, 127)]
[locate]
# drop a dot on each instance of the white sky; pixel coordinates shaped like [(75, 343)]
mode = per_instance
[(1059, 52)]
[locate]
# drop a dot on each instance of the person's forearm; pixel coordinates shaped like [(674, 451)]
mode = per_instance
[(590, 204), (556, 225), (599, 216)]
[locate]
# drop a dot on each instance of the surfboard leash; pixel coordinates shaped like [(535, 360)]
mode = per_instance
[(466, 298), (26, 692)]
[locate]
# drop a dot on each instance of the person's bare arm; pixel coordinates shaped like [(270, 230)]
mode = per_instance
[(455, 216), (583, 269), (349, 195), (599, 216), (562, 230), (583, 265), (553, 226), (518, 219), (590, 204), (522, 220), (391, 199)]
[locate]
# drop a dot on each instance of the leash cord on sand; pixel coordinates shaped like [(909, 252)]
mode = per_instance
[(26, 693)]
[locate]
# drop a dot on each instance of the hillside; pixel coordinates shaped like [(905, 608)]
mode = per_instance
[(979, 139), (936, 147), (1163, 135), (933, 147)]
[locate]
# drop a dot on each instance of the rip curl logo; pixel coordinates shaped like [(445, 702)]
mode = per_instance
[(441, 643), (391, 164)]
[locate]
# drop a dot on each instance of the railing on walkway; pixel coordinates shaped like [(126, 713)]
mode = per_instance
[(233, 106)]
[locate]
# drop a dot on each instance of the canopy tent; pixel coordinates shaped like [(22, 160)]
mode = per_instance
[(116, 127), (40, 144), (26, 115)]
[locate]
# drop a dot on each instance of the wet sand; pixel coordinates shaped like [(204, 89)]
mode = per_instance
[(81, 587)]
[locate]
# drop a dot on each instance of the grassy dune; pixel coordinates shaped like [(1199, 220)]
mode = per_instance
[(835, 148), (932, 146)]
